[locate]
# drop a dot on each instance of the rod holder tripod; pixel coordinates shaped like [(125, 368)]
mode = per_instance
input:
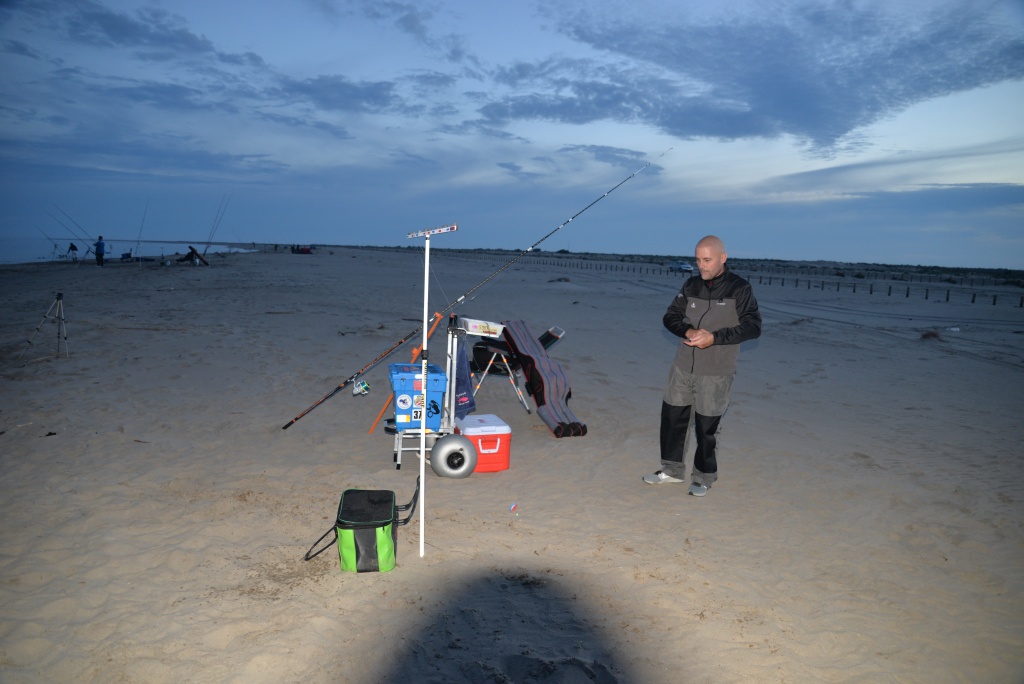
[(56, 312)]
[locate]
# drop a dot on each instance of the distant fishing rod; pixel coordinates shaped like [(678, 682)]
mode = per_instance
[(84, 231), (352, 378), (65, 226), (216, 221), (138, 240), (52, 241)]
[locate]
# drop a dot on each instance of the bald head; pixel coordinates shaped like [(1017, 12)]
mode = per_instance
[(710, 255), (714, 242)]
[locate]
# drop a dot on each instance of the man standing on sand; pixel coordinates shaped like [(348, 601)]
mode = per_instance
[(100, 247), (712, 314)]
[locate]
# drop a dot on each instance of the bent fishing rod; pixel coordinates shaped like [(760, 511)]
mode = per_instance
[(138, 240), (216, 221), (388, 352), (77, 235)]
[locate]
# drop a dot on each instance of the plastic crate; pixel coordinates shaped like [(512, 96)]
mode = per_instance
[(407, 384)]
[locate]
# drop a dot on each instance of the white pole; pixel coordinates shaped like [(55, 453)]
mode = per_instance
[(423, 366), (423, 415)]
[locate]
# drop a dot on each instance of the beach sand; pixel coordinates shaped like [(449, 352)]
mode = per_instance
[(867, 526)]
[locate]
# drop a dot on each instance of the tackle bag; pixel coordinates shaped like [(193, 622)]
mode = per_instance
[(366, 529)]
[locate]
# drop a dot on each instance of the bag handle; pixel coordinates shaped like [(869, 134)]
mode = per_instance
[(411, 506), (310, 554)]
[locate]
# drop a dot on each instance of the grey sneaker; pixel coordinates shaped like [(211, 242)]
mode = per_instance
[(659, 477), (698, 489)]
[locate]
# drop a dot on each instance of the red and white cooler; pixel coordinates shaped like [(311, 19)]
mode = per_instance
[(492, 439)]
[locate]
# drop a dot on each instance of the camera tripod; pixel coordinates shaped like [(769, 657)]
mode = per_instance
[(56, 311)]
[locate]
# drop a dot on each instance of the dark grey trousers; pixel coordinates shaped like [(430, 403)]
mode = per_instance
[(710, 395)]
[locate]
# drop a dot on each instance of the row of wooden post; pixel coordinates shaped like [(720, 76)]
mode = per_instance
[(871, 289), (648, 270)]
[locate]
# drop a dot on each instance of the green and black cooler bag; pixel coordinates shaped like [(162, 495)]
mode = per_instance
[(366, 529)]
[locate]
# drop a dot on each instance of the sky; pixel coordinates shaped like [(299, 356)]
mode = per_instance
[(880, 132)]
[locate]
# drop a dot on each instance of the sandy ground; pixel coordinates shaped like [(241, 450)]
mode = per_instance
[(868, 525)]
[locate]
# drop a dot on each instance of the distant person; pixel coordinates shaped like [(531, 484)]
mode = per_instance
[(713, 312), (189, 256), (73, 251), (194, 257), (100, 247)]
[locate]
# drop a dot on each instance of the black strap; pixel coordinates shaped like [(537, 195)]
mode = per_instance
[(411, 506), (310, 554)]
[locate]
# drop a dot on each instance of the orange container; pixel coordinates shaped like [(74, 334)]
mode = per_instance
[(492, 439)]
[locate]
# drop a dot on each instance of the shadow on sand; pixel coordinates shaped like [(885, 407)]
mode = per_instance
[(509, 626)]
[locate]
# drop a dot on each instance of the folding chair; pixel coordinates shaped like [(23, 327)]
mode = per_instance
[(500, 358)]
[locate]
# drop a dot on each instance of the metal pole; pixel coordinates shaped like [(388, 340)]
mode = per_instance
[(424, 359), (423, 366)]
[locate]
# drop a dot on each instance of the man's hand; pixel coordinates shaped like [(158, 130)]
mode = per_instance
[(698, 337)]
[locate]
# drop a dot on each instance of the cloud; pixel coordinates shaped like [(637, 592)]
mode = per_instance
[(154, 34), (415, 21), (297, 122), (892, 171), (815, 71), (165, 96), (94, 24), (409, 18), (614, 156), (16, 47), (136, 158), (431, 80), (337, 93), (957, 199), (518, 172)]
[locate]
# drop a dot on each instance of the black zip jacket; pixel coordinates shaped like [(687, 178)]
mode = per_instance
[(724, 306)]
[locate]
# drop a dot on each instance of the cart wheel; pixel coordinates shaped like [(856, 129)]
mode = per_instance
[(453, 456)]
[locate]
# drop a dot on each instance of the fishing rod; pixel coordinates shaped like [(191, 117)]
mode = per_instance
[(74, 234), (84, 231), (138, 240), (52, 242), (352, 378), (216, 221)]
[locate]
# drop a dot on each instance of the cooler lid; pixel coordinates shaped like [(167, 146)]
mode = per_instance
[(482, 424)]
